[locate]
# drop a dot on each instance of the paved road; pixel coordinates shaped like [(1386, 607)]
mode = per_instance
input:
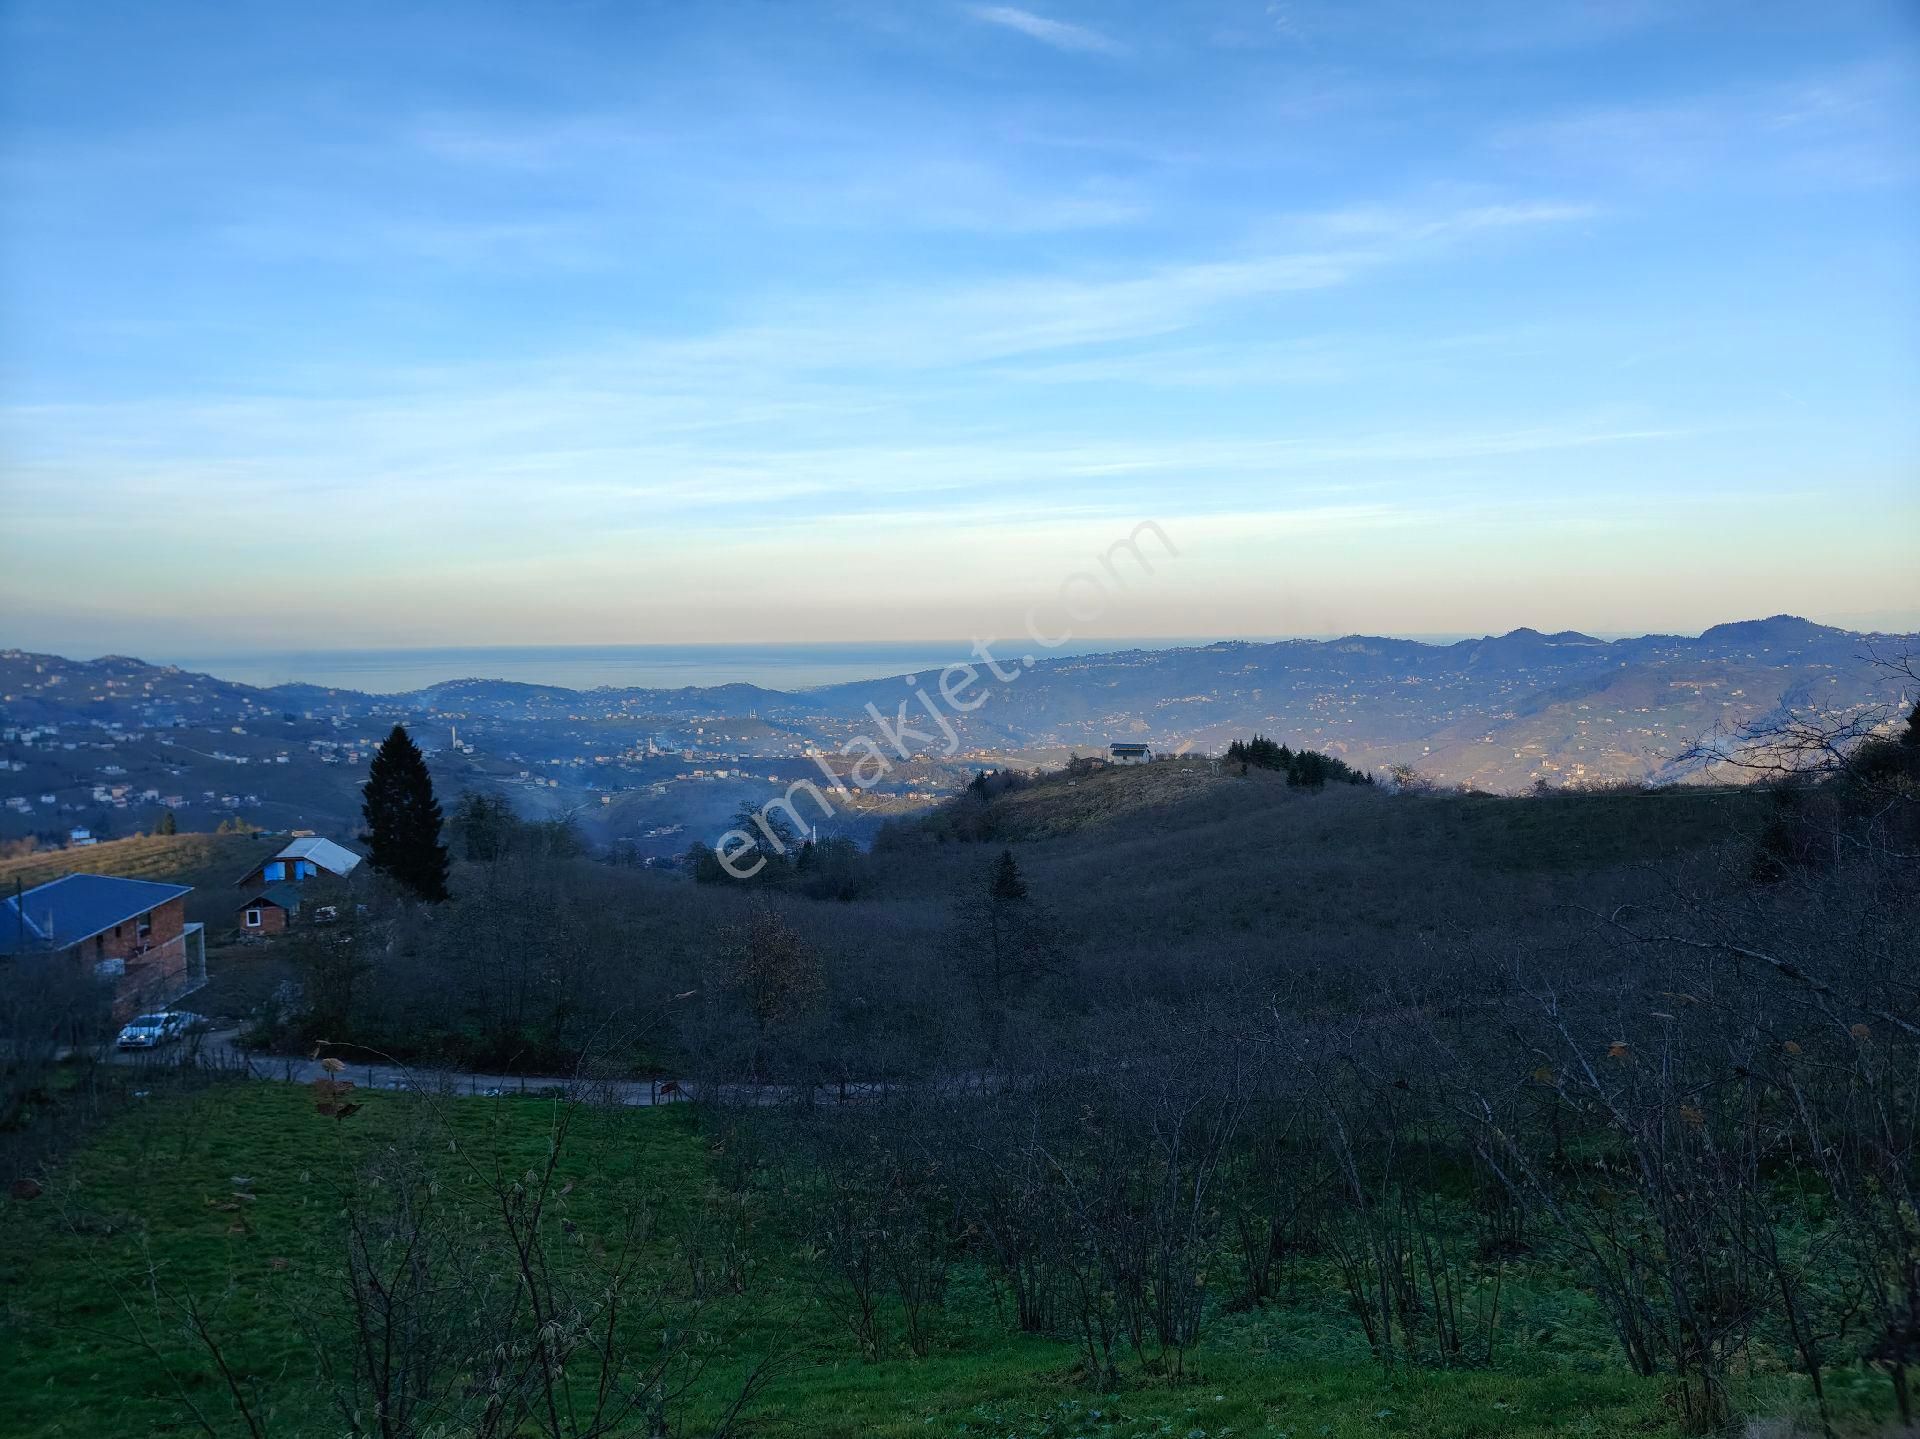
[(220, 1050)]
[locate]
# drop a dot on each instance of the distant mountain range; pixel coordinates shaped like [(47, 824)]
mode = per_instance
[(1499, 712)]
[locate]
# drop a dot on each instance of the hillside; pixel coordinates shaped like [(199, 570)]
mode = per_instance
[(175, 858), (1164, 881), (1297, 985), (1496, 713), (1170, 804), (105, 743), (211, 863), (66, 1283), (1060, 803), (1202, 927)]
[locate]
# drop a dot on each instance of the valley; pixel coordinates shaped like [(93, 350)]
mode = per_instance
[(110, 745)]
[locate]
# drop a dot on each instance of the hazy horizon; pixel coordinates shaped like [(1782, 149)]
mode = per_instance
[(388, 669)]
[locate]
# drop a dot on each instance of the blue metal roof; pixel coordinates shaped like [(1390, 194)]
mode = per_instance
[(64, 911)]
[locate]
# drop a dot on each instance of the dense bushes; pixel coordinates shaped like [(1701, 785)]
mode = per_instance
[(1698, 1111), (1435, 1071), (1415, 1059), (1706, 1121)]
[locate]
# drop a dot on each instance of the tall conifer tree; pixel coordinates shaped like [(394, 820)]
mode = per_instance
[(1007, 883), (403, 818)]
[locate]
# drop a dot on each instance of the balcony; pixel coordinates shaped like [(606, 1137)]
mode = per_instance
[(159, 976)]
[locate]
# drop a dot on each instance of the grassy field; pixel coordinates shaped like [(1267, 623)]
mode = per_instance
[(211, 863), (145, 1199), (174, 858), (1572, 830)]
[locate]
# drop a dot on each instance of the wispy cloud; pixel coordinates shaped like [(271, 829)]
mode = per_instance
[(1057, 33), (1317, 263), (1838, 128), (827, 399)]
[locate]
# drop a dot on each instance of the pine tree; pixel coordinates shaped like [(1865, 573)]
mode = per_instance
[(1007, 883), (403, 818), (1000, 938), (168, 824)]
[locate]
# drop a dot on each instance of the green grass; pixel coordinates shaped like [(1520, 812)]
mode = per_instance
[(149, 1185)]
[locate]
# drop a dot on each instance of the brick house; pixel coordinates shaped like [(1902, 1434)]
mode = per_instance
[(131, 934)]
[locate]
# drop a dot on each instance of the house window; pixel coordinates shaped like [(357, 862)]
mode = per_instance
[(144, 927), (303, 869), (276, 871), (253, 919)]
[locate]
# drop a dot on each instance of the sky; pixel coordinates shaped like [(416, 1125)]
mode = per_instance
[(357, 324)]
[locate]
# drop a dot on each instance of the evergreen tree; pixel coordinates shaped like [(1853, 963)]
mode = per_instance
[(403, 818), (1260, 753), (1310, 769), (1007, 883), (1000, 939), (168, 824)]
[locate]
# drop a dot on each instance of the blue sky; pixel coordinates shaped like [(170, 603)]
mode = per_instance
[(359, 324)]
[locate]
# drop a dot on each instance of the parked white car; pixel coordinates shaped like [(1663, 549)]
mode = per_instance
[(149, 1031)]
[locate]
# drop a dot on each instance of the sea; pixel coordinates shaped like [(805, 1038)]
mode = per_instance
[(655, 666)]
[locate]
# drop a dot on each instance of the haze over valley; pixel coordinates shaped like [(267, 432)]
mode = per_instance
[(108, 745)]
